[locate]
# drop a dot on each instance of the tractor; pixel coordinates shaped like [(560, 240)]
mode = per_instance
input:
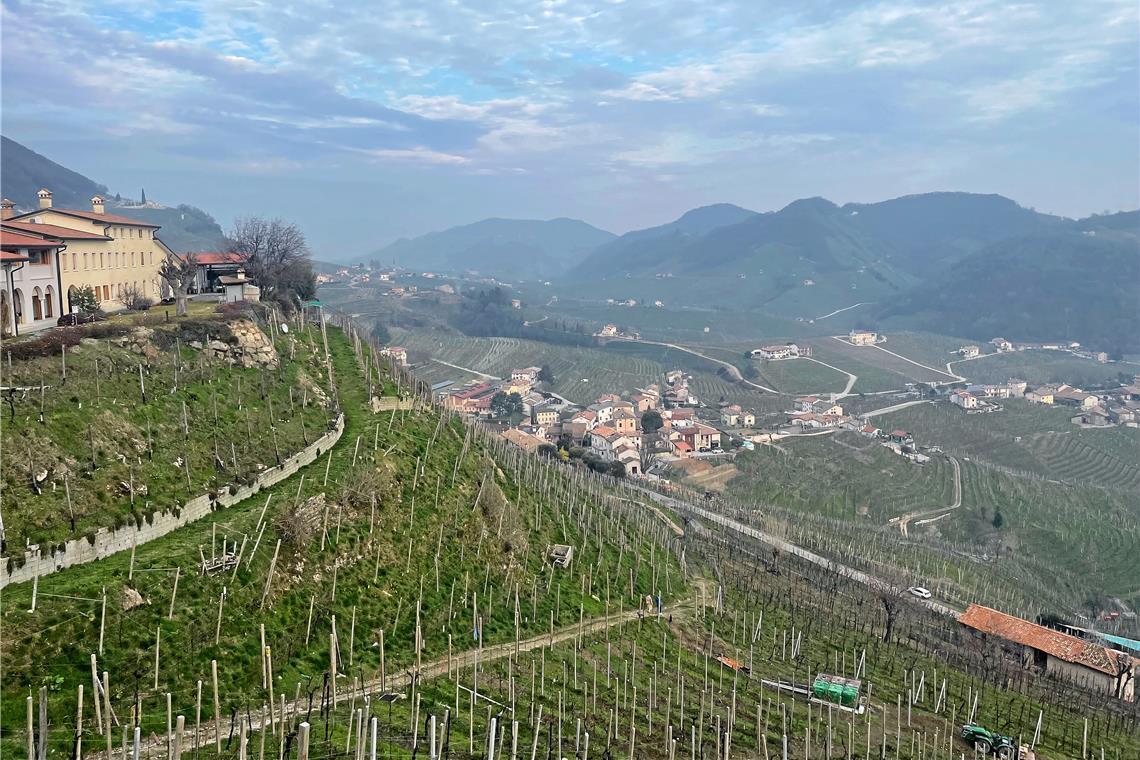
[(985, 741)]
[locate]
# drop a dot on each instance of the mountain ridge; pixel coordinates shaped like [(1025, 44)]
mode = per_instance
[(24, 172)]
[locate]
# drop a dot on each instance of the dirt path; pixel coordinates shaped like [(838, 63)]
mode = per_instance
[(893, 408), (930, 515), (840, 311), (398, 681)]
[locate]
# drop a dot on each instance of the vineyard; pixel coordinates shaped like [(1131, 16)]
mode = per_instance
[(1033, 438), (1039, 366), (581, 374), (800, 376), (842, 476)]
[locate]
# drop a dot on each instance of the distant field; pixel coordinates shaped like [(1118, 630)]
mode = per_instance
[(1042, 366), (929, 348), (798, 376), (872, 378), (1029, 437)]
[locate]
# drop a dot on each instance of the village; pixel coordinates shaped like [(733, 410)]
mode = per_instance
[(646, 431)]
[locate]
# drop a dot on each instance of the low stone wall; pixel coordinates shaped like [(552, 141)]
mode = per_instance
[(79, 551)]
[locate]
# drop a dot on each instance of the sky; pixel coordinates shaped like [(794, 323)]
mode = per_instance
[(369, 121)]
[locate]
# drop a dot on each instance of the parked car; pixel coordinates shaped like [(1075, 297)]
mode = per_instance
[(79, 318), (918, 591)]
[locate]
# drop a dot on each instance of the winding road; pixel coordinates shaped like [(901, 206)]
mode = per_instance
[(930, 515)]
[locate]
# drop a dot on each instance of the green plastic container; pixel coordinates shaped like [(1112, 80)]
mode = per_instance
[(850, 696)]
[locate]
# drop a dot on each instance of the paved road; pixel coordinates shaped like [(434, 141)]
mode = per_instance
[(732, 369), (871, 581), (851, 380), (465, 369), (893, 408)]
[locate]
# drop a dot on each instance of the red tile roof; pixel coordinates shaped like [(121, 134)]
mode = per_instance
[(9, 257), (92, 216), (19, 240), (1054, 643), (55, 230), (214, 257)]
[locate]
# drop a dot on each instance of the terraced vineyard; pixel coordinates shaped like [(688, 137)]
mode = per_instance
[(843, 476), (1029, 437), (1037, 367)]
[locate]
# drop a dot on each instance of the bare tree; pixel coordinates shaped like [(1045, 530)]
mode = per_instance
[(890, 607), (179, 272), (135, 299), (1124, 669), (276, 258)]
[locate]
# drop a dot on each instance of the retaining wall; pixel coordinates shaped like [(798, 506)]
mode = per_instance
[(79, 551)]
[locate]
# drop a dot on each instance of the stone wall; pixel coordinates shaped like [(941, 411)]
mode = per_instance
[(79, 551)]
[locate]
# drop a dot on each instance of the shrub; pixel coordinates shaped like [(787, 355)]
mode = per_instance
[(134, 299)]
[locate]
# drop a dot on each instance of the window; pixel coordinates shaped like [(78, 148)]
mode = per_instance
[(100, 260), (85, 265), (132, 258), (62, 261), (49, 296), (37, 306)]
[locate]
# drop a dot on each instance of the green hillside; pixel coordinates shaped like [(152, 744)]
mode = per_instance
[(505, 248), (1068, 286), (23, 172), (196, 424)]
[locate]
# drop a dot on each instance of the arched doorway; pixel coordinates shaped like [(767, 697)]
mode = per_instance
[(18, 305), (37, 304), (70, 298), (49, 299)]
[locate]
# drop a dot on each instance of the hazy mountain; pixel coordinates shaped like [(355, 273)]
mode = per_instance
[(925, 232), (1064, 286), (24, 172), (642, 249), (507, 248)]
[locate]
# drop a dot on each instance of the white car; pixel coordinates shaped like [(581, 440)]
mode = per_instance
[(918, 591)]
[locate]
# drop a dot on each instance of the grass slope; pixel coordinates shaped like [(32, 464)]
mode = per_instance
[(98, 435)]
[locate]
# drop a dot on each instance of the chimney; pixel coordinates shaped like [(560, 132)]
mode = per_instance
[(7, 209), (45, 197), (97, 204)]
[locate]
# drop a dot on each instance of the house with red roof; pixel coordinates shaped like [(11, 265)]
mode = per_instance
[(213, 265), (1088, 664), (31, 295)]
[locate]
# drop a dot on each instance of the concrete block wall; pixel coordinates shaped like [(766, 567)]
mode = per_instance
[(79, 551)]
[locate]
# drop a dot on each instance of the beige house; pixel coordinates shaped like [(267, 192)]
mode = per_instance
[(862, 338), (111, 253)]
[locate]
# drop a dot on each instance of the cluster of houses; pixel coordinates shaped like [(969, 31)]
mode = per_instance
[(813, 413), (780, 351), (48, 253), (1002, 345), (609, 429), (613, 331), (1117, 406)]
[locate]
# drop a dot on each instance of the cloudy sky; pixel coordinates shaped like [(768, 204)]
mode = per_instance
[(373, 120)]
